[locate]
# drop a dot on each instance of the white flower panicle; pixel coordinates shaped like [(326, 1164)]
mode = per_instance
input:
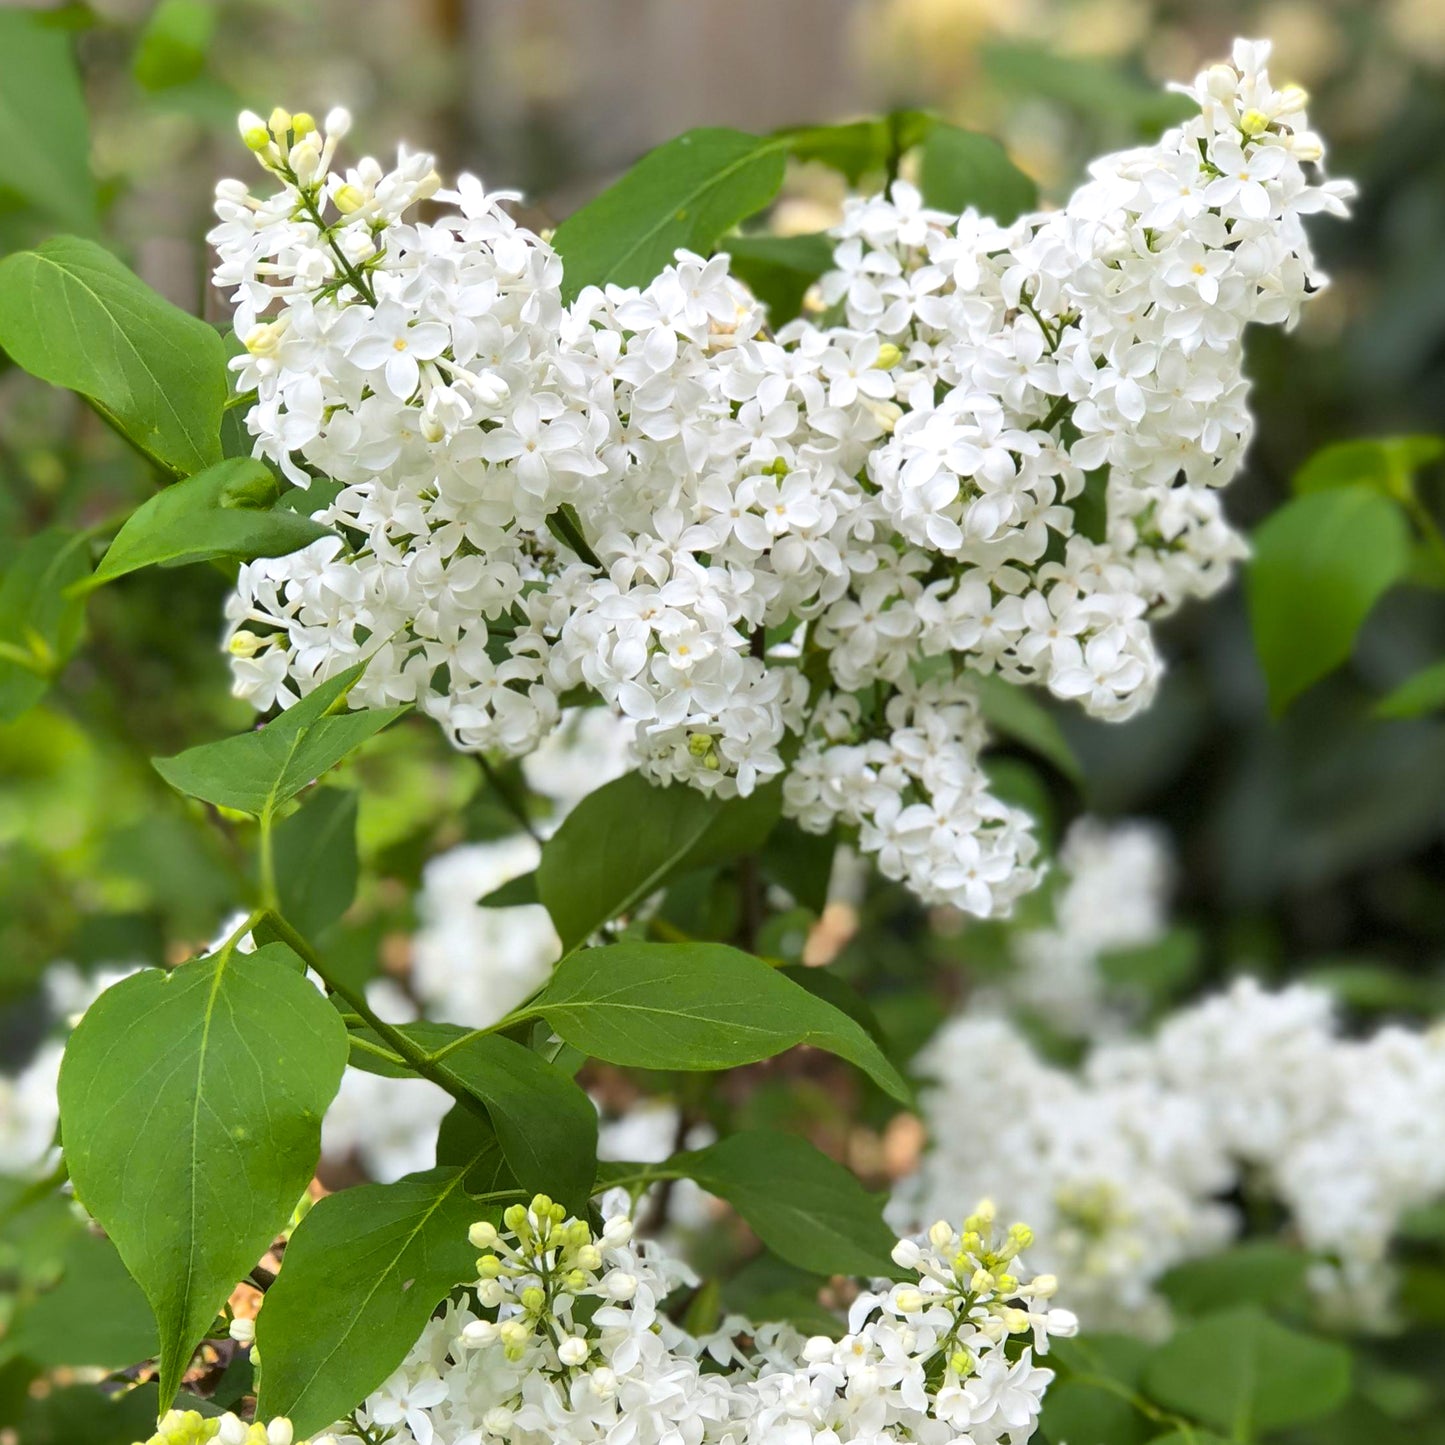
[(1003, 458), (190, 1427), (1111, 890), (565, 1340), (1127, 1163)]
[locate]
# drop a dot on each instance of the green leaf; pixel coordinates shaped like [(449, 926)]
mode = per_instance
[(1087, 1414), (622, 842), (858, 147), (364, 1270), (1013, 712), (1416, 696), (1098, 88), (191, 1107), (514, 893), (963, 169), (1385, 463), (1258, 1272), (1186, 1437), (1320, 564), (40, 621), (224, 511), (72, 315), (259, 770), (545, 1123), (44, 134), (173, 45), (686, 193), (1091, 506), (1159, 968), (95, 1316), (696, 1006), (1242, 1373), (316, 863), (806, 1208), (81, 1413), (779, 269)]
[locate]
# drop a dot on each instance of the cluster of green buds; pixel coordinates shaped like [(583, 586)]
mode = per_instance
[(973, 1274), (539, 1256), (293, 145), (190, 1427)]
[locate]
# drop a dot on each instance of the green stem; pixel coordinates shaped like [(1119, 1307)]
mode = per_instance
[(411, 1054)]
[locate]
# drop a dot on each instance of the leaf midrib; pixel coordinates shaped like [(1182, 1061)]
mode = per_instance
[(73, 275)]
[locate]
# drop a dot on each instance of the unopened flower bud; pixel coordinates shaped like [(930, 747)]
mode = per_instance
[(479, 1333), (1044, 1286), (906, 1254), (244, 644), (1221, 81), (303, 123), (242, 1330), (497, 1420), (888, 356), (619, 1285), (573, 1351), (483, 1234), (617, 1231), (604, 1382), (1291, 99), (348, 199), (264, 339), (338, 122), (488, 1266), (910, 1301), (279, 122), (1254, 122)]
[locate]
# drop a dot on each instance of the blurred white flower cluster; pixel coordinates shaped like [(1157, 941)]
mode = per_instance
[(1111, 893), (1127, 1163), (29, 1109), (1003, 459), (564, 1340)]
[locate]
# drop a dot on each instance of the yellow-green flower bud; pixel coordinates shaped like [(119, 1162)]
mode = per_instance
[(280, 122), (348, 199), (302, 123), (488, 1267), (1254, 122), (888, 356), (534, 1299)]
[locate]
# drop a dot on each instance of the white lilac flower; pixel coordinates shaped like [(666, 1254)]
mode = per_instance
[(1003, 457), (563, 1339), (1126, 1163)]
